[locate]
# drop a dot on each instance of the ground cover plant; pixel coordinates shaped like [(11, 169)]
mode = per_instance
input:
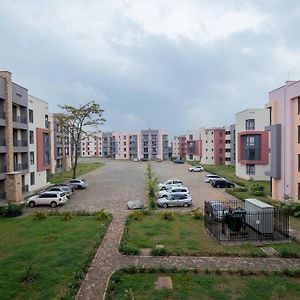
[(82, 169), (45, 257), (183, 234), (243, 284)]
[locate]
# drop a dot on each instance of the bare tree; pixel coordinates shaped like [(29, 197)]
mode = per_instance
[(77, 123)]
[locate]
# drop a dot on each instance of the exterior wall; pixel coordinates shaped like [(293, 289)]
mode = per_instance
[(283, 105), (193, 145), (122, 144), (219, 146), (261, 119), (207, 136), (232, 145), (39, 109)]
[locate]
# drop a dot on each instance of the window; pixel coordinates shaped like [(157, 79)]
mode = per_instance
[(250, 124), (30, 115), (298, 105), (250, 169), (190, 137), (46, 149), (32, 178), (220, 133), (298, 134), (250, 140), (31, 137), (298, 162), (31, 157), (46, 121), (298, 191)]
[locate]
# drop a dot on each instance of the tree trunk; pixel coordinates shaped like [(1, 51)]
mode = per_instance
[(75, 162)]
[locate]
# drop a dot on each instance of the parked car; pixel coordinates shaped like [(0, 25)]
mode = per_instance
[(136, 159), (159, 160), (217, 209), (66, 184), (176, 199), (178, 161), (196, 169), (221, 183), (48, 198), (172, 190), (144, 159), (78, 184), (169, 183), (208, 178), (66, 189), (135, 204)]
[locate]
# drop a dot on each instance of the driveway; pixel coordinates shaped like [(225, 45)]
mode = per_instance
[(200, 191)]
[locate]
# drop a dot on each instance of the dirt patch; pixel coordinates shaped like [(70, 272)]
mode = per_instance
[(163, 282)]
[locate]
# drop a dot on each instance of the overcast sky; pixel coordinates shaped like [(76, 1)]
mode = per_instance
[(163, 64)]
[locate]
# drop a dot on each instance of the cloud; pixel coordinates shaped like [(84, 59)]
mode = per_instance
[(171, 65)]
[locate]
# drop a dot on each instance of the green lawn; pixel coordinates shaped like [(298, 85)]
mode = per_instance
[(203, 286), (185, 236), (82, 169), (55, 248)]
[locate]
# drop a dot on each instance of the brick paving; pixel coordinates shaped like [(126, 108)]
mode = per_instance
[(116, 183)]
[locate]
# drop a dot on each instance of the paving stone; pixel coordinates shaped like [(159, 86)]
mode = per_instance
[(145, 251), (269, 251), (163, 282)]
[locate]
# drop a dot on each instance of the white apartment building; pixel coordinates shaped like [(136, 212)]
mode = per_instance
[(39, 145), (252, 144)]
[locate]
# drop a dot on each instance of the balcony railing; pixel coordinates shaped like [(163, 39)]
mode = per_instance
[(20, 119), (2, 169), (2, 142), (2, 115), (20, 143), (25, 188), (20, 167)]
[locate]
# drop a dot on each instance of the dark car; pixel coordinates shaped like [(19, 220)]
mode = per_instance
[(222, 183), (217, 209), (178, 161), (144, 159)]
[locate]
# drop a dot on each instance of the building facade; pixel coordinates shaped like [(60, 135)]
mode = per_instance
[(193, 145), (284, 131), (252, 144), (179, 147)]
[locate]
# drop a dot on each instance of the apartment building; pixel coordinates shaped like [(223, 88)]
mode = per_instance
[(121, 145), (179, 146), (39, 145), (252, 144), (230, 145), (284, 131), (193, 145)]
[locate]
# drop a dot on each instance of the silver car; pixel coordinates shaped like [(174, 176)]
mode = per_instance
[(177, 189), (176, 199), (169, 183), (66, 189), (78, 184)]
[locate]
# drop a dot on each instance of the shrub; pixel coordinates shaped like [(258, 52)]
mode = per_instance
[(12, 210), (287, 253), (257, 190), (152, 186), (137, 215), (67, 216), (39, 215), (159, 251), (129, 250), (168, 215), (297, 214), (197, 214), (101, 214), (152, 202)]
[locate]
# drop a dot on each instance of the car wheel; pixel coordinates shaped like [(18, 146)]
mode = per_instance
[(53, 204), (164, 196), (31, 204), (185, 204), (165, 205)]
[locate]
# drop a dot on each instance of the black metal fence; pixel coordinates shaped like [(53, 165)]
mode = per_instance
[(230, 222)]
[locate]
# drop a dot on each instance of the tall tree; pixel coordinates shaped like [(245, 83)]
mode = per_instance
[(77, 123)]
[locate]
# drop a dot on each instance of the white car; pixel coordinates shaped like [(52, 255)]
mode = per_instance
[(209, 178), (169, 183), (176, 199), (78, 184), (170, 191), (196, 169), (48, 198)]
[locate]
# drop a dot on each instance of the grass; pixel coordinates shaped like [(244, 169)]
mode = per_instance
[(185, 236), (203, 286), (52, 252), (82, 169), (295, 223)]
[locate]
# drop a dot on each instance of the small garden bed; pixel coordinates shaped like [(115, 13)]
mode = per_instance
[(137, 283), (181, 234), (46, 257)]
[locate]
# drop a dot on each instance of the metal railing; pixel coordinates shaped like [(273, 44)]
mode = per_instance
[(20, 167), (19, 119), (234, 224), (20, 143)]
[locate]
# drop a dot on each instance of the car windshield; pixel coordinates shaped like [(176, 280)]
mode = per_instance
[(218, 206)]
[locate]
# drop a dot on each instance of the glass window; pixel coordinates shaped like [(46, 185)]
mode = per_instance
[(31, 157), (32, 178), (250, 169), (31, 137), (30, 111), (250, 124), (46, 149)]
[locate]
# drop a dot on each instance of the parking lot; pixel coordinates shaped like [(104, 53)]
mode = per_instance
[(117, 182)]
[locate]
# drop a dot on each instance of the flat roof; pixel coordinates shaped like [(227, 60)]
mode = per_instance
[(259, 203)]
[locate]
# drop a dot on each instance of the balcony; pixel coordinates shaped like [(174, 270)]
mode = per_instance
[(20, 143), (20, 122), (20, 167)]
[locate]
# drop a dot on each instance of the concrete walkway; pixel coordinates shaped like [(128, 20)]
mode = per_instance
[(108, 260)]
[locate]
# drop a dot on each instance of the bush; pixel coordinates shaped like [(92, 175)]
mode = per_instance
[(257, 253), (197, 214), (159, 251), (101, 214), (257, 190), (137, 215), (152, 202), (168, 215), (129, 250), (29, 274), (67, 216), (39, 215), (288, 253), (240, 189), (12, 210)]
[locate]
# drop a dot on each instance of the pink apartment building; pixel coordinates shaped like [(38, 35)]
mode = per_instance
[(284, 106)]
